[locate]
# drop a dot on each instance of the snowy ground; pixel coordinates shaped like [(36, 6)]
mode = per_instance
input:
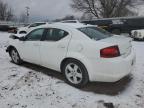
[(31, 86)]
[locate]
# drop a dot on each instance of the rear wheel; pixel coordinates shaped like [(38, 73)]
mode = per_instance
[(75, 73), (15, 56)]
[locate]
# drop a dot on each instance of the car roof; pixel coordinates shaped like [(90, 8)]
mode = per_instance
[(68, 25)]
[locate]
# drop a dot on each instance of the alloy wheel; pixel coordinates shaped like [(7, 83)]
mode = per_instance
[(14, 56), (73, 73)]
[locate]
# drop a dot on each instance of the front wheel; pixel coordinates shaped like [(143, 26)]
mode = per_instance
[(75, 73), (15, 56)]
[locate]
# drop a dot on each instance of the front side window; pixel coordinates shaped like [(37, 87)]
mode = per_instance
[(35, 35), (95, 33), (54, 34)]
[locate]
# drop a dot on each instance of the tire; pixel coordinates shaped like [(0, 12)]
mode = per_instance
[(75, 73), (116, 31), (15, 56)]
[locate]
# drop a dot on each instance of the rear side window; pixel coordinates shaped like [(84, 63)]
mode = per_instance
[(95, 33), (53, 34)]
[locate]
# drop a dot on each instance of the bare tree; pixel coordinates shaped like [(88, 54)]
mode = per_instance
[(10, 14), (105, 8), (23, 18), (6, 12)]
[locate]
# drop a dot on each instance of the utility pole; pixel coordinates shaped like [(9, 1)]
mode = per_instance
[(27, 13)]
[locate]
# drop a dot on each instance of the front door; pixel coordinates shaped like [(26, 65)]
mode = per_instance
[(31, 46)]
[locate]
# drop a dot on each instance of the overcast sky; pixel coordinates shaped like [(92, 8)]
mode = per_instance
[(47, 9)]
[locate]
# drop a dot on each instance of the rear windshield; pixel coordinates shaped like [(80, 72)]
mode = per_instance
[(95, 33)]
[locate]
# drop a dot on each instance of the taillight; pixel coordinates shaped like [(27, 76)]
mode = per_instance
[(110, 52)]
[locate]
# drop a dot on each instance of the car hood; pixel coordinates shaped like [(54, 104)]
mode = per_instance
[(22, 28), (117, 38), (19, 35)]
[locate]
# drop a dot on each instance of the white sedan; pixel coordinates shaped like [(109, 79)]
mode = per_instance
[(81, 52), (138, 34)]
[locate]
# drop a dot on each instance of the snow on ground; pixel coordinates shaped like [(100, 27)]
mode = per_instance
[(31, 86)]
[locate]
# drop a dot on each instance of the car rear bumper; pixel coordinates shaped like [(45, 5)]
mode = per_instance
[(112, 70)]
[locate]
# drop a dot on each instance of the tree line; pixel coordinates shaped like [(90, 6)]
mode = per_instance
[(6, 12), (103, 8), (106, 8), (89, 8)]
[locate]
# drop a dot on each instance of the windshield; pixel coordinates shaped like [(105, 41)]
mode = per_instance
[(95, 33)]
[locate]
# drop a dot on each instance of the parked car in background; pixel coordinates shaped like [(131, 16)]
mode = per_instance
[(8, 28), (81, 52), (27, 28), (118, 25), (4, 27), (12, 29), (138, 34)]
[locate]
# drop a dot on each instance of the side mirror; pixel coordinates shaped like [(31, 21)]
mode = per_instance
[(19, 38), (22, 38)]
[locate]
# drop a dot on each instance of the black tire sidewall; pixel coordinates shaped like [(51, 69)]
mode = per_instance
[(85, 77)]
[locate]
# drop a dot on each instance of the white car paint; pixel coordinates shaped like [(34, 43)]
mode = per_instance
[(138, 34), (79, 46)]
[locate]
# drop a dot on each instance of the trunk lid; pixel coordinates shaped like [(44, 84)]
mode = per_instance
[(124, 44)]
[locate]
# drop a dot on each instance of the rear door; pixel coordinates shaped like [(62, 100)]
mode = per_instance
[(54, 47)]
